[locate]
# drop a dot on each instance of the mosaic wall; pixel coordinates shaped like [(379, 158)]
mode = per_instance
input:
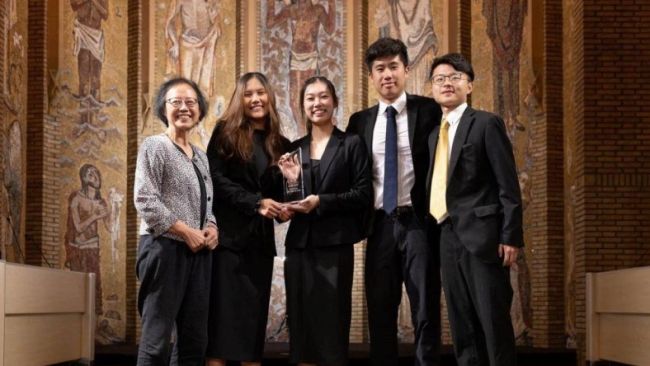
[(300, 39), (505, 84), (13, 102), (198, 39), (87, 99), (194, 39), (418, 23), (570, 179)]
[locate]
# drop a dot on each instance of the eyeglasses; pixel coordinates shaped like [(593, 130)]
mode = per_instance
[(177, 102), (454, 78)]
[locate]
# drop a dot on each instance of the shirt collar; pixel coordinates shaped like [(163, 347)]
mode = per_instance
[(399, 104), (453, 117)]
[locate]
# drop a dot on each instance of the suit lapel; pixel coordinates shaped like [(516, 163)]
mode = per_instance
[(370, 128), (433, 143), (306, 164), (464, 126), (412, 110), (335, 141)]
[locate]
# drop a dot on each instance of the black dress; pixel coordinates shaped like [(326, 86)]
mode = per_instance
[(319, 292), (243, 261)]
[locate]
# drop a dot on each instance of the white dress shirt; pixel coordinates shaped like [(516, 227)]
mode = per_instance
[(405, 174), (453, 118)]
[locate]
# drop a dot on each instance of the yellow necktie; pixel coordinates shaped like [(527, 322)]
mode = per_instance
[(438, 203)]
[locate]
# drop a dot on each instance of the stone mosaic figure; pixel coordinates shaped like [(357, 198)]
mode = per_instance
[(89, 49), (12, 193), (412, 22), (193, 29), (505, 22), (306, 18), (86, 208)]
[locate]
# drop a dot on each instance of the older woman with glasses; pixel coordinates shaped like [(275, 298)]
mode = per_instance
[(173, 194)]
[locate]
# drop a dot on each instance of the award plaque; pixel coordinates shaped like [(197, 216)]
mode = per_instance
[(294, 187)]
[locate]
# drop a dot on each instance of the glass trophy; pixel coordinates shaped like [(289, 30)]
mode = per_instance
[(294, 187)]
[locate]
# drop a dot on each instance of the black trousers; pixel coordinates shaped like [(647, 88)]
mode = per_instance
[(174, 294), (399, 252), (319, 303), (239, 303), (478, 297)]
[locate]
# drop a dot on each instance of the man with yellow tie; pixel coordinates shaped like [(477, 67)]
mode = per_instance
[(475, 199)]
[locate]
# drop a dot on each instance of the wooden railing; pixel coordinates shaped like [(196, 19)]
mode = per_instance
[(47, 315), (618, 316)]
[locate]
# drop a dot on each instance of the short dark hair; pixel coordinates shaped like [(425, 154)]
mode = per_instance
[(159, 104), (455, 60), (308, 82), (386, 47)]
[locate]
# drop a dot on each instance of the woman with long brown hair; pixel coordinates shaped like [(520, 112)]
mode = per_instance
[(243, 153)]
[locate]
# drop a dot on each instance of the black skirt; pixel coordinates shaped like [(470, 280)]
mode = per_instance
[(239, 304), (319, 302)]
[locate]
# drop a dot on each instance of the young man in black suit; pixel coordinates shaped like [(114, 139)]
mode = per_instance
[(474, 196), (395, 132)]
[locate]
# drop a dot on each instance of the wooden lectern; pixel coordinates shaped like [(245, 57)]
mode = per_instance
[(618, 316), (47, 315)]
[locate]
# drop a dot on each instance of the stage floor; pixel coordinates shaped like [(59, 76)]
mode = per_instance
[(276, 355)]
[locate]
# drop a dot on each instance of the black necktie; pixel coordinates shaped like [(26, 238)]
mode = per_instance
[(390, 162)]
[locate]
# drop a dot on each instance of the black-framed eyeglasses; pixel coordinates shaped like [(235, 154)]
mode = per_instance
[(454, 78), (177, 102)]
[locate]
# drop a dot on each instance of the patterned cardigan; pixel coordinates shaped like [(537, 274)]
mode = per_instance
[(166, 187)]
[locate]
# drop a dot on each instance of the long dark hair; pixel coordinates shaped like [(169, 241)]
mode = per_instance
[(82, 177), (236, 138)]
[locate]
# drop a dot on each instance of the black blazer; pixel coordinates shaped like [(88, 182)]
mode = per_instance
[(237, 189), (483, 197), (345, 193), (423, 114)]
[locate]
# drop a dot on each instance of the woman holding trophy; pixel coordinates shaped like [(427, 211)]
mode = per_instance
[(337, 189), (243, 151)]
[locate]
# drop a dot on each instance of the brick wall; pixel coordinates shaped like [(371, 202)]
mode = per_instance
[(134, 108), (613, 137), (36, 99), (51, 210), (359, 322), (546, 229), (465, 26), (43, 214)]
